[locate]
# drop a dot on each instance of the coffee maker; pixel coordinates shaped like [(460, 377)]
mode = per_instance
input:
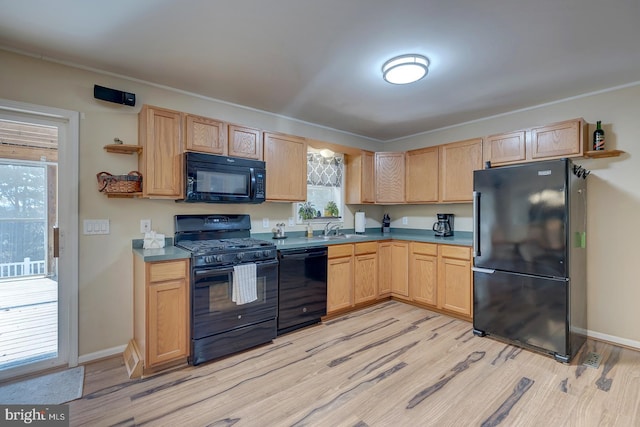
[(444, 226)]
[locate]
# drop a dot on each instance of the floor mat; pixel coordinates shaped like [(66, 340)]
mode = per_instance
[(51, 389)]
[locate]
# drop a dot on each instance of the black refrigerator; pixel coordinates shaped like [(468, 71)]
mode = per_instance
[(529, 267)]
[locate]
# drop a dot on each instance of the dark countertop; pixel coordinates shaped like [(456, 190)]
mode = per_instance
[(296, 240), (168, 253)]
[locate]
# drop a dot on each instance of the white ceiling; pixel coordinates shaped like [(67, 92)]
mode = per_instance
[(319, 61)]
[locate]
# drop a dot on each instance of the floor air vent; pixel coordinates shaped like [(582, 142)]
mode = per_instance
[(592, 360)]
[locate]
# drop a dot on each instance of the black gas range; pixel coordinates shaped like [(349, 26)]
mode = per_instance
[(234, 284), (227, 251)]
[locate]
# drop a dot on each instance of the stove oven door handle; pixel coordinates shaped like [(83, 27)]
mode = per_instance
[(219, 271), (211, 272)]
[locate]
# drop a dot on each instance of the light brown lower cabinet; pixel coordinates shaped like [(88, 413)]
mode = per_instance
[(429, 274), (365, 280), (352, 275), (423, 269), (384, 269), (339, 278), (161, 312), (393, 274), (400, 269), (440, 277), (455, 291)]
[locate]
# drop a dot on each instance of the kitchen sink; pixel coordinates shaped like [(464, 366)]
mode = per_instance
[(337, 237)]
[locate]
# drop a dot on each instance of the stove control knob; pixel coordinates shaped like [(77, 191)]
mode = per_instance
[(208, 259), (257, 254), (218, 258), (240, 255)]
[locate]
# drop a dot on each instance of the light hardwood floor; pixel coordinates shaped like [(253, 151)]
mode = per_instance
[(387, 365)]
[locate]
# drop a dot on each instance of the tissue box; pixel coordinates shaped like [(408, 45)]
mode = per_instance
[(153, 240)]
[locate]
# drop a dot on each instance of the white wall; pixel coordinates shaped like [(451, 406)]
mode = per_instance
[(105, 277), (613, 205)]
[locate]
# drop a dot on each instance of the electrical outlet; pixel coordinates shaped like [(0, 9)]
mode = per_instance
[(145, 225), (265, 222), (291, 221), (405, 220)]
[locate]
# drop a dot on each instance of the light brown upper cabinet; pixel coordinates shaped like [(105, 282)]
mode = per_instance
[(564, 139), (389, 177), (422, 175), (458, 160), (360, 183), (205, 135), (245, 142), (160, 136), (505, 148), (286, 158)]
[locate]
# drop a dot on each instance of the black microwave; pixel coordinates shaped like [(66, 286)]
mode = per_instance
[(221, 179)]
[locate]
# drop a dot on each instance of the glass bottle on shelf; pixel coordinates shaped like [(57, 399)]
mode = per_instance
[(598, 137)]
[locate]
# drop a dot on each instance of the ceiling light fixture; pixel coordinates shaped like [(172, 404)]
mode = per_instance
[(405, 69)]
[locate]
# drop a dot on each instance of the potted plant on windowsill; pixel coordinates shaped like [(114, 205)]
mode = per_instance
[(331, 209), (307, 211)]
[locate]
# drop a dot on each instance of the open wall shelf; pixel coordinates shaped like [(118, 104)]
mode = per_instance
[(603, 153), (123, 148), (123, 195)]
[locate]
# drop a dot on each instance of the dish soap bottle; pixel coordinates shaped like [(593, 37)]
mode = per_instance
[(309, 230)]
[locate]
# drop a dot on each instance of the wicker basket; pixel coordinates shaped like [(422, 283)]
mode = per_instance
[(130, 183)]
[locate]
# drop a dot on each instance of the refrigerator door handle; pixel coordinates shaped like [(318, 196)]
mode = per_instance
[(483, 270), (476, 224)]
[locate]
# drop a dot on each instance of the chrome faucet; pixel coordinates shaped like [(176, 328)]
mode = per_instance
[(329, 228)]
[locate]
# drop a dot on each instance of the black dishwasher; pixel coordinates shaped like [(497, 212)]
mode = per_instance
[(302, 294)]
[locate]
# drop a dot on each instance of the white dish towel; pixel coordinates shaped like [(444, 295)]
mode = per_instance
[(244, 284)]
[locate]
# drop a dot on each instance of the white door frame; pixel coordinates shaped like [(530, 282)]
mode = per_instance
[(68, 147)]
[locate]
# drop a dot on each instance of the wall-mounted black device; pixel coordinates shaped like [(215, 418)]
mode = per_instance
[(113, 95)]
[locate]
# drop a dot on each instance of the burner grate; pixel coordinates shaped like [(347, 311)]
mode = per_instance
[(221, 245)]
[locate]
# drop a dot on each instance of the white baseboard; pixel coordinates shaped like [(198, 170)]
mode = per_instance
[(102, 354), (614, 340)]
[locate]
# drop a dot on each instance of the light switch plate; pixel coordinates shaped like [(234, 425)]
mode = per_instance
[(265, 222), (95, 226), (405, 220)]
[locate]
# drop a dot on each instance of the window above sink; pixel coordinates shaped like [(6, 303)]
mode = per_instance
[(325, 188)]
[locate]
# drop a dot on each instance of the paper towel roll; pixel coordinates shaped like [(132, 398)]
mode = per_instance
[(360, 222)]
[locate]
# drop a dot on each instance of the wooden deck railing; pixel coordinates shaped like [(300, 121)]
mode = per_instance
[(24, 268)]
